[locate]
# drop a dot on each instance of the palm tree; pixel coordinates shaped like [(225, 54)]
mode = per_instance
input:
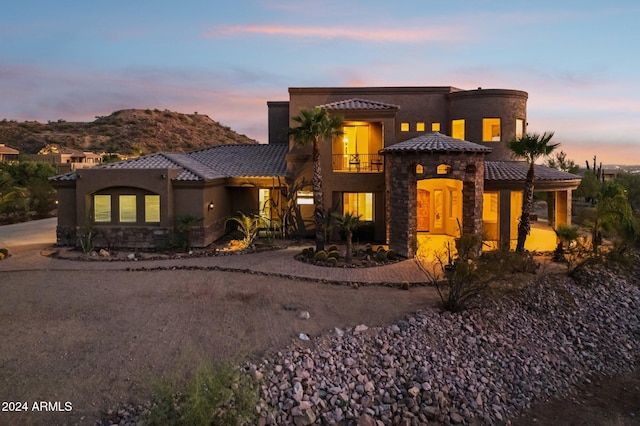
[(530, 147), (315, 126), (348, 223)]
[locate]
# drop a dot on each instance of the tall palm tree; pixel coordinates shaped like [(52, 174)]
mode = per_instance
[(315, 126), (530, 147), (348, 223)]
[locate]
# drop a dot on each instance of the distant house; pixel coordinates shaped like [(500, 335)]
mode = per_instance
[(8, 154), (66, 160), (416, 163)]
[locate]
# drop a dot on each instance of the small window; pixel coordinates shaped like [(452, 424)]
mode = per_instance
[(420, 126), (490, 207), (152, 208), (263, 201), (304, 197), (102, 208), (519, 128), (419, 169), (443, 169), (127, 208), (358, 204), (457, 129), (435, 127), (404, 127), (490, 130)]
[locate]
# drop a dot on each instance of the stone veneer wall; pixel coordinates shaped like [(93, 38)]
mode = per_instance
[(130, 237), (401, 182)]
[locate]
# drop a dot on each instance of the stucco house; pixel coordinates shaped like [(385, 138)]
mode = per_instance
[(8, 154), (415, 162)]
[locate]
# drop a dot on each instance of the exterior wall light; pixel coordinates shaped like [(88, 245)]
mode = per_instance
[(211, 205)]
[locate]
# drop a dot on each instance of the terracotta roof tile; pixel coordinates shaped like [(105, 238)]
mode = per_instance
[(517, 171), (358, 104), (435, 141), (211, 163)]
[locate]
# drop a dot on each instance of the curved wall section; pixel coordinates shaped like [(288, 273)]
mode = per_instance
[(476, 105)]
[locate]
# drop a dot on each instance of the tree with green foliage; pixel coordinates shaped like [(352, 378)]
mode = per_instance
[(631, 183), (560, 162), (315, 126), (612, 212), (530, 147), (347, 223)]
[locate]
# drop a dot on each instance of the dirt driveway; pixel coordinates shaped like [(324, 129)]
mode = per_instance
[(96, 338)]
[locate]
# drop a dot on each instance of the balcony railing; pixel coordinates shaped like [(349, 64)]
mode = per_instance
[(358, 163)]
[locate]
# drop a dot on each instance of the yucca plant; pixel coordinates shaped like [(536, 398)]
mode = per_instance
[(249, 226)]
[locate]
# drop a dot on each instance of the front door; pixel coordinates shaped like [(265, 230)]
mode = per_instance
[(423, 208)]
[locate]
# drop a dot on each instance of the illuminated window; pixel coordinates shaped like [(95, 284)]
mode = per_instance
[(404, 127), (519, 128), (152, 208), (304, 197), (263, 200), (457, 129), (435, 127), (443, 169), (419, 169), (420, 126), (358, 204), (127, 208), (490, 130), (453, 203), (102, 208), (490, 207)]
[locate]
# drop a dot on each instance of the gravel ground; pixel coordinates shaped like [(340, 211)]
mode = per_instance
[(482, 366)]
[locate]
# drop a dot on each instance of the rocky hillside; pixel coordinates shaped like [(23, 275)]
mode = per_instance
[(130, 131)]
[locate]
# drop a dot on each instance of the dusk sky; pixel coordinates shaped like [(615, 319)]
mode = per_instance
[(74, 60)]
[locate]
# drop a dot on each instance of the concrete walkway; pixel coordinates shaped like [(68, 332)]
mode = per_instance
[(29, 248)]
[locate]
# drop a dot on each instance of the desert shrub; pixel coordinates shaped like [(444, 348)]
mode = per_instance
[(333, 254), (4, 251), (332, 261), (368, 249), (332, 248), (220, 395), (513, 262), (391, 254), (309, 252), (2, 256), (381, 255), (466, 278), (320, 256)]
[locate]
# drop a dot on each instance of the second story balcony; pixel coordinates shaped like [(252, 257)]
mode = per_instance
[(358, 163)]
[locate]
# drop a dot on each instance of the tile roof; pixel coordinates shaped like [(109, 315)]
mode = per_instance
[(358, 104), (223, 161), (244, 160), (8, 150), (435, 141), (517, 171)]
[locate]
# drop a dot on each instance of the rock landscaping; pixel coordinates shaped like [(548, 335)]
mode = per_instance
[(486, 364)]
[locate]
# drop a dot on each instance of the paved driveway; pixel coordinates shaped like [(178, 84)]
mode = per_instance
[(28, 233)]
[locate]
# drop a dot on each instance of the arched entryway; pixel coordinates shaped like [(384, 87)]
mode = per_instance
[(438, 215)]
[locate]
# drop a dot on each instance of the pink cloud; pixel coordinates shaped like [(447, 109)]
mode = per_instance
[(428, 33)]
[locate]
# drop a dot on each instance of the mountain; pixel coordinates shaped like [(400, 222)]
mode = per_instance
[(129, 131)]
